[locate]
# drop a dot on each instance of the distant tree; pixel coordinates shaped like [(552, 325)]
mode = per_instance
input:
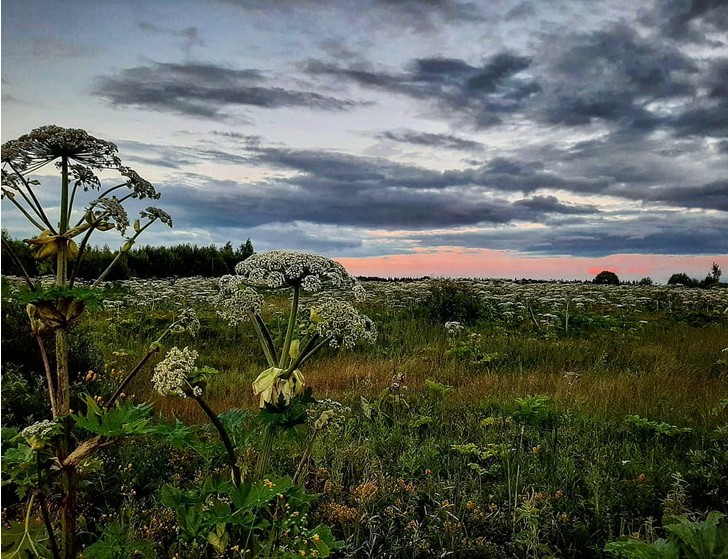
[(682, 279), (605, 277), (645, 281), (715, 272)]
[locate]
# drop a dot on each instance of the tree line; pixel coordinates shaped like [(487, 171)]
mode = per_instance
[(607, 277), (182, 260)]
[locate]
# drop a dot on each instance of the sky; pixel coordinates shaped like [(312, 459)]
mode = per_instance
[(541, 139)]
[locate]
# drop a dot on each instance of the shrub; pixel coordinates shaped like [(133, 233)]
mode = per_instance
[(450, 301), (605, 277)]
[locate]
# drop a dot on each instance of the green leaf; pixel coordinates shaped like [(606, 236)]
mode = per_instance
[(122, 420), (18, 468), (19, 543), (702, 540), (116, 543)]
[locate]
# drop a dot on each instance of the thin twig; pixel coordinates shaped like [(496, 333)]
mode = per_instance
[(49, 375), (119, 391), (18, 263), (44, 510)]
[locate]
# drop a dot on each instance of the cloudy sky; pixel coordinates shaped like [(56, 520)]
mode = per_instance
[(542, 138)]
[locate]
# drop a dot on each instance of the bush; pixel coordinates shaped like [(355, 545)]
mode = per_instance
[(605, 277), (450, 301)]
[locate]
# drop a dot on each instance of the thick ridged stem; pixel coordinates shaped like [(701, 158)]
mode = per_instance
[(225, 438), (265, 451), (291, 327)]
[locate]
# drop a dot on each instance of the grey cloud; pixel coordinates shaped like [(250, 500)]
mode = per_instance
[(712, 195), (611, 74), (689, 20), (446, 141), (189, 35), (204, 90), (417, 15), (551, 204), (481, 92), (658, 233)]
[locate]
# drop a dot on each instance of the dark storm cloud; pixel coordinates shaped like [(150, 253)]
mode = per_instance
[(712, 195), (204, 90), (658, 233), (689, 20), (230, 204), (446, 141), (481, 92), (611, 75), (551, 204)]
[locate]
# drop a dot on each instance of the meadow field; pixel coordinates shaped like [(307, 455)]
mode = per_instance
[(488, 419)]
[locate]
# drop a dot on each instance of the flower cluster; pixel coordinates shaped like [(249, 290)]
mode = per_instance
[(113, 209), (342, 323), (171, 375), (43, 145), (39, 434), (327, 414), (155, 213), (234, 302), (141, 188), (285, 268), (186, 321), (453, 328)]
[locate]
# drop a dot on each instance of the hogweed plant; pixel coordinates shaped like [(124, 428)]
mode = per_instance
[(178, 375), (88, 201), (325, 321)]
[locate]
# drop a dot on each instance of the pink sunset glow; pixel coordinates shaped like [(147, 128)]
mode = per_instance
[(483, 263)]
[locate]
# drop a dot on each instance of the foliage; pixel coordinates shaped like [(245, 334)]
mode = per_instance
[(448, 301), (682, 279), (143, 262), (266, 517), (707, 539), (605, 277)]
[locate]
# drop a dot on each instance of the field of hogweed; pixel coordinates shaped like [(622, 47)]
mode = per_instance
[(477, 419)]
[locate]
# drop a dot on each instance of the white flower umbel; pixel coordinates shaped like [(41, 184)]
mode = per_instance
[(341, 323), (235, 302), (186, 321), (39, 434), (171, 375), (286, 268)]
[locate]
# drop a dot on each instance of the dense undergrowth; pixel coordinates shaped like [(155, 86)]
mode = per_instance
[(550, 420)]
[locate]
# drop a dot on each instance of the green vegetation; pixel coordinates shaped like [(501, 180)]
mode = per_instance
[(551, 420), (142, 262)]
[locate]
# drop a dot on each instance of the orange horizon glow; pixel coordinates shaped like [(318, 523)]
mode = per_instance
[(484, 263)]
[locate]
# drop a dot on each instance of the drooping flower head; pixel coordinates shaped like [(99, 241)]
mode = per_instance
[(287, 268), (172, 376), (155, 213), (340, 321)]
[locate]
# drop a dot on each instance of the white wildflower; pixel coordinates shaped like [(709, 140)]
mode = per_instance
[(186, 321), (235, 302), (285, 268), (453, 328), (171, 375), (39, 434), (342, 323)]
